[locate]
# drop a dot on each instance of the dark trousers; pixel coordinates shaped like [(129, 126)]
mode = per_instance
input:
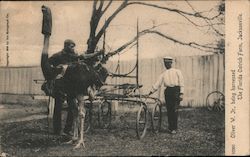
[(172, 99), (57, 117)]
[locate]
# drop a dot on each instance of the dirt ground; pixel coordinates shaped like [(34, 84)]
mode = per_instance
[(24, 132)]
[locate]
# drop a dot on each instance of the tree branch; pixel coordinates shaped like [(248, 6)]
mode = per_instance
[(209, 23), (95, 18), (107, 6), (191, 44), (126, 3), (195, 24), (198, 15), (195, 45), (93, 25), (124, 46), (106, 24), (95, 37), (94, 7), (100, 6)]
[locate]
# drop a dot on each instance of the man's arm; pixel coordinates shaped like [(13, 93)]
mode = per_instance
[(181, 84), (181, 81), (90, 55), (157, 84), (54, 59)]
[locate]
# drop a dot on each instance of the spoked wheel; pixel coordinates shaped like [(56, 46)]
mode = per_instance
[(156, 118), (141, 122), (104, 114), (215, 101)]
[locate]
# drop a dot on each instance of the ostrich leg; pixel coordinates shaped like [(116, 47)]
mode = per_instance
[(75, 124), (75, 127), (81, 115)]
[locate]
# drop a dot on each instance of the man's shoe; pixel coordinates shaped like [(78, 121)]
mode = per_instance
[(173, 132)]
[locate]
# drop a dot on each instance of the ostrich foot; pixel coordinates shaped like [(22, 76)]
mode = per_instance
[(69, 142), (72, 141), (79, 144)]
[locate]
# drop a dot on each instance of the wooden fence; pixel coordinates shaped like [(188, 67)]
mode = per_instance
[(19, 80), (202, 74)]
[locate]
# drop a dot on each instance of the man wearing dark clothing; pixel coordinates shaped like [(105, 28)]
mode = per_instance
[(60, 61), (65, 56), (173, 82), (62, 58), (172, 98)]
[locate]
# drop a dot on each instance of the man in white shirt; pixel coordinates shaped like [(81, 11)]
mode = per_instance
[(173, 82)]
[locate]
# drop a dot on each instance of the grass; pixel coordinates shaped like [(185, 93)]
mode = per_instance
[(201, 132)]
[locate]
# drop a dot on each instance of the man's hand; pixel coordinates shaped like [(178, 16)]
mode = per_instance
[(101, 52)]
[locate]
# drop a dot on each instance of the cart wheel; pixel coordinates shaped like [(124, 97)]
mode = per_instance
[(156, 118), (141, 123), (104, 114), (215, 101), (88, 118)]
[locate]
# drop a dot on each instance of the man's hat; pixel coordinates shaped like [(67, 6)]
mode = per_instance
[(168, 58), (68, 42)]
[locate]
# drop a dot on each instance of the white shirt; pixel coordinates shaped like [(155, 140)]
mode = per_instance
[(170, 78)]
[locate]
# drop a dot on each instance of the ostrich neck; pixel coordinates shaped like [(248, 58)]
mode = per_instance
[(45, 44), (48, 71)]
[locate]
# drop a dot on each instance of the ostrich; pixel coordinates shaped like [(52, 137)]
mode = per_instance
[(81, 80)]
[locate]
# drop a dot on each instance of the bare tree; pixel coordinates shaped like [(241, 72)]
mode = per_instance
[(212, 23)]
